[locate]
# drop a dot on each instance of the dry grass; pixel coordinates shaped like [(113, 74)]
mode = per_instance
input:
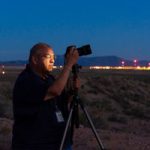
[(117, 101)]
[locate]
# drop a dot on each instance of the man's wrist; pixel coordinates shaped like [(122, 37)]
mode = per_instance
[(68, 67)]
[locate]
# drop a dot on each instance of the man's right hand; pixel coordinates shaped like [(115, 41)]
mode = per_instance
[(72, 57)]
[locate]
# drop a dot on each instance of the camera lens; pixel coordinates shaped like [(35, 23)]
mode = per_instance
[(84, 50)]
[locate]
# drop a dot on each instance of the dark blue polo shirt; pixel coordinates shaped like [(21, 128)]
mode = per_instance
[(35, 124)]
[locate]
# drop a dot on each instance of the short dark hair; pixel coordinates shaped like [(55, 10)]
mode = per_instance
[(38, 47)]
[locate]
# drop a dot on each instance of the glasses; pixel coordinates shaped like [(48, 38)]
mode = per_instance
[(48, 56)]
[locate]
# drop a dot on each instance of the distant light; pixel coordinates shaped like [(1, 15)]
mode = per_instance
[(138, 67), (54, 67), (107, 67), (122, 63), (135, 62), (3, 72)]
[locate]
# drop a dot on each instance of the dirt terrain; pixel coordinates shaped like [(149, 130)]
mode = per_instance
[(118, 102)]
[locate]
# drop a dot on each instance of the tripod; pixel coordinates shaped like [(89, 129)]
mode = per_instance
[(74, 117)]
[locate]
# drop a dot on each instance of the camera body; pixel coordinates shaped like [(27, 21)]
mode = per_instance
[(84, 50)]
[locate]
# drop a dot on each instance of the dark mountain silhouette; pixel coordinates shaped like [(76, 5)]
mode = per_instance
[(87, 61)]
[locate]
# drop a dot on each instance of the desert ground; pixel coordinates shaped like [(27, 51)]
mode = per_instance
[(117, 101)]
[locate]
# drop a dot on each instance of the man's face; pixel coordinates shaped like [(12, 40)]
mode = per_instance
[(46, 60)]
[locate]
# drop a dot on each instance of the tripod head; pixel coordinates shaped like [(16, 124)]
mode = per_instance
[(75, 69)]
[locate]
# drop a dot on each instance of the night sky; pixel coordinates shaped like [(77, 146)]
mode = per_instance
[(112, 27)]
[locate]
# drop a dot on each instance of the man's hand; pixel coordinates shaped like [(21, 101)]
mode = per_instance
[(72, 56)]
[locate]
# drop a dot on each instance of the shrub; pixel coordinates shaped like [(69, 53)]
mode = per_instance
[(117, 118)]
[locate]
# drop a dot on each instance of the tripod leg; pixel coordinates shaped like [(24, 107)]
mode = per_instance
[(66, 129), (92, 126)]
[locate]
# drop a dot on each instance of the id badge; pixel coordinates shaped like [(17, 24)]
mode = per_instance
[(59, 116)]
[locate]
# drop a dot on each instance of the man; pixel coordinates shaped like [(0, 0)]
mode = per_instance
[(39, 101)]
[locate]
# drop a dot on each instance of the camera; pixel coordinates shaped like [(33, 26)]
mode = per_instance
[(84, 50)]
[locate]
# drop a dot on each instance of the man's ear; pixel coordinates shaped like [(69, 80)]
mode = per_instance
[(34, 60)]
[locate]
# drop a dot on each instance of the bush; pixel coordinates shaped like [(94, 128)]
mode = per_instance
[(137, 112), (117, 118)]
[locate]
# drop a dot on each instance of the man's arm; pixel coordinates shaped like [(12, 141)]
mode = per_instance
[(57, 87)]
